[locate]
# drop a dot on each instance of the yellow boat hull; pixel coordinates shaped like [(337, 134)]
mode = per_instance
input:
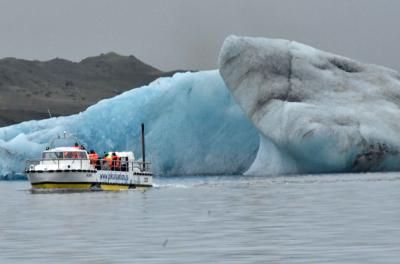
[(98, 180), (84, 186)]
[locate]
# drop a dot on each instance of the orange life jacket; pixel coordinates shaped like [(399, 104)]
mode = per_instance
[(116, 161), (93, 158)]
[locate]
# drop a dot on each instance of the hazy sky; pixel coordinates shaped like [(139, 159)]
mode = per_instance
[(187, 34)]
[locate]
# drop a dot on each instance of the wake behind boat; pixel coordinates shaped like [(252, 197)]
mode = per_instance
[(69, 167)]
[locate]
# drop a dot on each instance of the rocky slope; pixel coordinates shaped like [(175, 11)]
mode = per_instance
[(30, 89)]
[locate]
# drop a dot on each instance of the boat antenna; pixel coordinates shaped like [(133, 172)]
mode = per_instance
[(143, 149)]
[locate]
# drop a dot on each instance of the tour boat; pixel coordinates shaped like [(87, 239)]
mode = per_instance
[(69, 167)]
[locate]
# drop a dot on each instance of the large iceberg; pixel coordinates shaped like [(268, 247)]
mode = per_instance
[(308, 111), (193, 127), (316, 111)]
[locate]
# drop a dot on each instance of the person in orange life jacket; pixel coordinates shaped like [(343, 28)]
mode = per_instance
[(108, 158), (104, 162), (93, 157), (116, 161)]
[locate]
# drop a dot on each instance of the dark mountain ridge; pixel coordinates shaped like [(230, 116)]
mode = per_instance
[(30, 89)]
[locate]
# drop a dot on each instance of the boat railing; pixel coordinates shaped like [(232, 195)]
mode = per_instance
[(85, 164), (120, 165)]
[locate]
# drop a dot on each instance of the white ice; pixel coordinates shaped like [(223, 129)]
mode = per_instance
[(317, 112)]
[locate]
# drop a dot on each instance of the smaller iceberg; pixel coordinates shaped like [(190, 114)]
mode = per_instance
[(193, 127)]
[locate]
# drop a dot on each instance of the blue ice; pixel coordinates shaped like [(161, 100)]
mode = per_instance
[(193, 127)]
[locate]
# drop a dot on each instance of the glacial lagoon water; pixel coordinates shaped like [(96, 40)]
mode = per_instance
[(347, 218)]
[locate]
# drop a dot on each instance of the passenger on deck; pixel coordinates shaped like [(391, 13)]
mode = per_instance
[(104, 163), (108, 158), (93, 158), (116, 162), (76, 145)]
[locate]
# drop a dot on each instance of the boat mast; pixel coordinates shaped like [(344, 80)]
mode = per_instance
[(143, 149)]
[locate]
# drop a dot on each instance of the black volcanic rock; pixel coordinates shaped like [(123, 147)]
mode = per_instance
[(28, 89)]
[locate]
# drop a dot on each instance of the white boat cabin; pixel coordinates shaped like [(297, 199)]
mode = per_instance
[(74, 159)]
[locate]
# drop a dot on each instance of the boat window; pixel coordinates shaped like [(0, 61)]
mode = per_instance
[(82, 155), (52, 155), (74, 155)]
